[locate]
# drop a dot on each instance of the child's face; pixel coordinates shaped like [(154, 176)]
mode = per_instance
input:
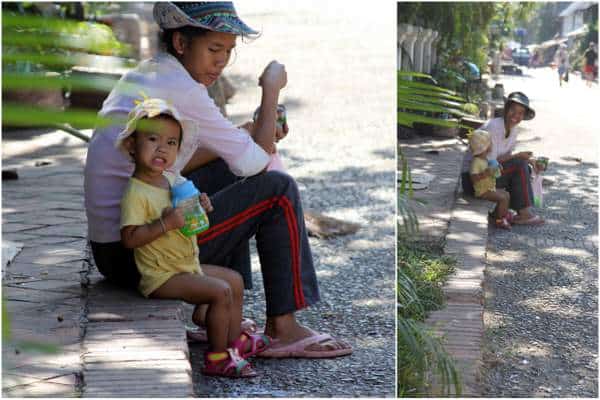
[(155, 148)]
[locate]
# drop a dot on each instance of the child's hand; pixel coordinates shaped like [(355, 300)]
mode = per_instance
[(173, 218), (249, 126), (205, 202)]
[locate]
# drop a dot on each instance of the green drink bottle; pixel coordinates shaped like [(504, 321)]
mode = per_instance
[(185, 196)]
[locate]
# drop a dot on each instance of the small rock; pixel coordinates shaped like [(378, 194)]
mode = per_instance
[(60, 318), (9, 174)]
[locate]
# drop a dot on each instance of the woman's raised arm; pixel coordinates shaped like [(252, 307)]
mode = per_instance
[(272, 80)]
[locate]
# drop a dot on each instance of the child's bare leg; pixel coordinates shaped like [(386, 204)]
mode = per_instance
[(202, 289), (500, 198), (235, 281), (199, 315)]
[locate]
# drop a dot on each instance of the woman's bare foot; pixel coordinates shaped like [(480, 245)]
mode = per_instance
[(286, 330)]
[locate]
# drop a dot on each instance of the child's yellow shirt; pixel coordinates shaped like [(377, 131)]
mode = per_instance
[(478, 165), (171, 253)]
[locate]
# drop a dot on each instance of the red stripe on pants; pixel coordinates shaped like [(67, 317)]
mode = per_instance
[(510, 170), (293, 231), (236, 220), (292, 225)]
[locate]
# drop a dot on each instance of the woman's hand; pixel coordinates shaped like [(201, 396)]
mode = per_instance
[(173, 218), (281, 131), (205, 202), (274, 76)]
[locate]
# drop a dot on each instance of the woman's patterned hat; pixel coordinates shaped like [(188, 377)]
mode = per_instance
[(217, 16)]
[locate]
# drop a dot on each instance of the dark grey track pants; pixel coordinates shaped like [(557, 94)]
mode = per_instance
[(268, 207)]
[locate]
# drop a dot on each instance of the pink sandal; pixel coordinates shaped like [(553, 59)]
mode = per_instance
[(502, 223), (258, 344), (233, 366)]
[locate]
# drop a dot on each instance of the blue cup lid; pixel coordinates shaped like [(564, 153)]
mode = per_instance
[(184, 190), (493, 163)]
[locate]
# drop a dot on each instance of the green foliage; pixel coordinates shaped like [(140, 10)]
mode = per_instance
[(5, 323), (407, 222), (36, 43), (38, 52), (420, 102), (428, 272), (471, 108), (463, 26), (420, 353), (421, 275)]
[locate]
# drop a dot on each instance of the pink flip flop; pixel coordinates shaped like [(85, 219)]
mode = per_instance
[(197, 334), (298, 348), (535, 220)]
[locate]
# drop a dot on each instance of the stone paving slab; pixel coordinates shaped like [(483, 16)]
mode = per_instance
[(444, 166), (108, 342), (139, 343)]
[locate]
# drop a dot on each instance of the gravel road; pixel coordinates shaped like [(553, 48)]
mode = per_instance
[(542, 282), (341, 150)]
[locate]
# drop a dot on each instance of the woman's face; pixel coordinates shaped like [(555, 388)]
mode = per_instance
[(514, 115), (206, 56)]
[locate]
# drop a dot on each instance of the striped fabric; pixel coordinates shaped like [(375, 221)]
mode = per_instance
[(218, 16)]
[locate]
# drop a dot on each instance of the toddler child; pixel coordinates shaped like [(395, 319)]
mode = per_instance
[(167, 259), (484, 178)]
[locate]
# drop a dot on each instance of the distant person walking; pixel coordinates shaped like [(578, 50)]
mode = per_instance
[(496, 61), (591, 60), (561, 58)]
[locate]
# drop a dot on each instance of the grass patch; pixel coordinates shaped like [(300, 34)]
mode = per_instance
[(421, 275), (428, 271)]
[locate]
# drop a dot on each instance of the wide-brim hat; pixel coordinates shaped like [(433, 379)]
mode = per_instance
[(522, 99), (150, 108), (217, 16), (479, 141)]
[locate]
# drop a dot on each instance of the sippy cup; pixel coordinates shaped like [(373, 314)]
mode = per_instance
[(185, 196), (493, 164)]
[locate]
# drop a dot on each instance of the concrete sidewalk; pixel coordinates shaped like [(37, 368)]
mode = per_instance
[(458, 225), (103, 341)]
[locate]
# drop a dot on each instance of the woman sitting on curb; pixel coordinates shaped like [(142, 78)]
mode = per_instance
[(515, 176), (199, 39)]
